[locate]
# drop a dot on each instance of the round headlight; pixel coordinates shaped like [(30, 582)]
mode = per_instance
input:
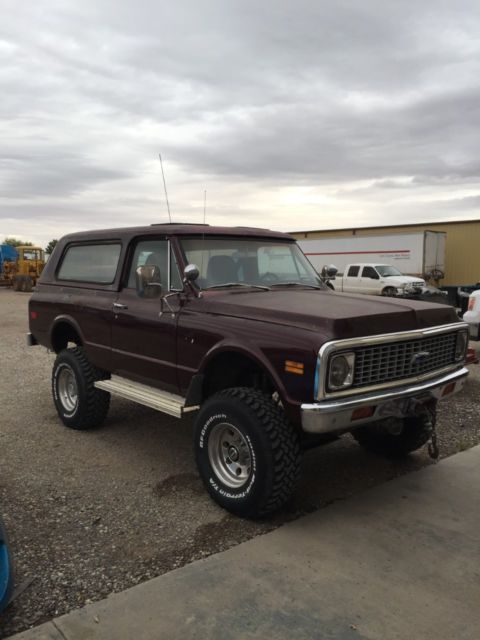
[(341, 371), (461, 345)]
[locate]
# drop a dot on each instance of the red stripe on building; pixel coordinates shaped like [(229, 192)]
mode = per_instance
[(354, 253)]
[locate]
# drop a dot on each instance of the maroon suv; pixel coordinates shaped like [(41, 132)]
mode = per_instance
[(235, 325)]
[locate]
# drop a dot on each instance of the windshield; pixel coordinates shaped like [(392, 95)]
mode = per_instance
[(253, 261), (386, 270), (32, 254)]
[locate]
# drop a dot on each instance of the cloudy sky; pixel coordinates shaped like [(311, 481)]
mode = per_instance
[(291, 114)]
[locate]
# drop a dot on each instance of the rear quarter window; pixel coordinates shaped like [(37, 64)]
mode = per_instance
[(353, 272), (96, 263)]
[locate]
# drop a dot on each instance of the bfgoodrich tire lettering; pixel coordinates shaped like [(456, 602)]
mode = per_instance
[(247, 453), (79, 403)]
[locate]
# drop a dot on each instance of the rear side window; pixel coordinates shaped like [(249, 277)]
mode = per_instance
[(90, 263), (353, 272)]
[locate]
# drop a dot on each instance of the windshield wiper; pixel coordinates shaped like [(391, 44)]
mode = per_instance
[(237, 284), (295, 284)]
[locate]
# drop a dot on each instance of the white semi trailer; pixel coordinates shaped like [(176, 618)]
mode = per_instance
[(420, 253)]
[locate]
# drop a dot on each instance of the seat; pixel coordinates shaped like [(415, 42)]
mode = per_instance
[(156, 259), (158, 262), (220, 270)]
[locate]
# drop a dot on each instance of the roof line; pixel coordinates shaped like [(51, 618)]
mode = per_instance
[(389, 226)]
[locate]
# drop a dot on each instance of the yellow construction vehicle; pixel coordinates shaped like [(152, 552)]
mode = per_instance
[(23, 271)]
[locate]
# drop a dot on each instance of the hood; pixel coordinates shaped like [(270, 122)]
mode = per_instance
[(335, 315)]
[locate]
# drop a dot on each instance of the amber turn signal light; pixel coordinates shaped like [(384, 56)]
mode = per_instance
[(362, 412), (294, 367)]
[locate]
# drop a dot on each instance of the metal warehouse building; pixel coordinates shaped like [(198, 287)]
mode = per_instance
[(462, 256)]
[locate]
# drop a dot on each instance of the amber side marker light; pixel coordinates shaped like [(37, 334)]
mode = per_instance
[(294, 367), (362, 412), (448, 389)]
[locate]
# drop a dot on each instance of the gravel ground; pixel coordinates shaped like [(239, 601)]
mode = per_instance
[(95, 512)]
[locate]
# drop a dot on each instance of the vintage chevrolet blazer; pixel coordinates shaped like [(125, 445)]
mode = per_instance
[(235, 326)]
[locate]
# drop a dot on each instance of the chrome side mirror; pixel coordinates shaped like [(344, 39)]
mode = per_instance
[(148, 281), (190, 273), (329, 271)]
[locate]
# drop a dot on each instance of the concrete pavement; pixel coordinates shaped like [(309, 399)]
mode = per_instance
[(400, 561)]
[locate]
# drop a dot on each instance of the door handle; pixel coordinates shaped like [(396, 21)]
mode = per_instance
[(118, 305)]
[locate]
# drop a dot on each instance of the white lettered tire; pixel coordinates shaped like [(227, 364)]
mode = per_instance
[(247, 452)]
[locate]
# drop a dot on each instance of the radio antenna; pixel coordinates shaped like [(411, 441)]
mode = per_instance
[(165, 187)]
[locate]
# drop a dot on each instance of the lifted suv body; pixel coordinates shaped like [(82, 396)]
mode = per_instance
[(256, 332)]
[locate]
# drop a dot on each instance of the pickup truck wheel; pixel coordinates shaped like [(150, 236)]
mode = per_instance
[(391, 292), (412, 436), (247, 452), (79, 403)]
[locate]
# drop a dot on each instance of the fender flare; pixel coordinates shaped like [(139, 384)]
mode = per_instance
[(66, 319)]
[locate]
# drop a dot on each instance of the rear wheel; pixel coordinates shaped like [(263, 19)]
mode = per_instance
[(28, 284), (79, 403), (247, 452), (395, 437)]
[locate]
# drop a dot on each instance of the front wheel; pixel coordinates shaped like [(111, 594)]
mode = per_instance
[(247, 453), (395, 437), (79, 403), (390, 292)]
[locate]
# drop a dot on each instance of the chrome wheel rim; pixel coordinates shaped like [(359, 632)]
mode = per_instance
[(229, 455), (67, 389)]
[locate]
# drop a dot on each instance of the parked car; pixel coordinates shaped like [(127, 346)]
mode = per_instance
[(6, 569), (235, 326), (377, 279), (472, 315)]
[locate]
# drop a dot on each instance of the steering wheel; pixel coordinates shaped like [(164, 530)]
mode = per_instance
[(268, 276)]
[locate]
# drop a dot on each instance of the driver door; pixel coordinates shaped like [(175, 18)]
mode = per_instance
[(370, 281), (144, 328)]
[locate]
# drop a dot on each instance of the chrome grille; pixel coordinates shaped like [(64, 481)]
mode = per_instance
[(381, 363)]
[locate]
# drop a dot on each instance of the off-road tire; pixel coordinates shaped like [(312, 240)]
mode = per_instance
[(91, 407), (414, 435), (15, 283), (28, 284), (269, 439)]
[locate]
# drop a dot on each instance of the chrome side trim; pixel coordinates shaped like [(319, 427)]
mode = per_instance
[(398, 336), (335, 415)]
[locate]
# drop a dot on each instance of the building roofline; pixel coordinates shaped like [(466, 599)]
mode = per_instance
[(389, 226)]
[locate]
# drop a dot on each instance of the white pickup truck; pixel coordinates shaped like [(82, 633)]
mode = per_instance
[(472, 316), (377, 279)]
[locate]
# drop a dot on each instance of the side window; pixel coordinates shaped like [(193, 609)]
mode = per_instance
[(353, 272), (95, 263), (150, 252), (369, 272)]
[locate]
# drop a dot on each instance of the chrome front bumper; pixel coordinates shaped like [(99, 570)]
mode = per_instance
[(336, 415)]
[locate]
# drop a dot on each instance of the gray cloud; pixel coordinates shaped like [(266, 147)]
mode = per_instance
[(363, 105)]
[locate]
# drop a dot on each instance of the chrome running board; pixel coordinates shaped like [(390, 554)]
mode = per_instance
[(143, 394)]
